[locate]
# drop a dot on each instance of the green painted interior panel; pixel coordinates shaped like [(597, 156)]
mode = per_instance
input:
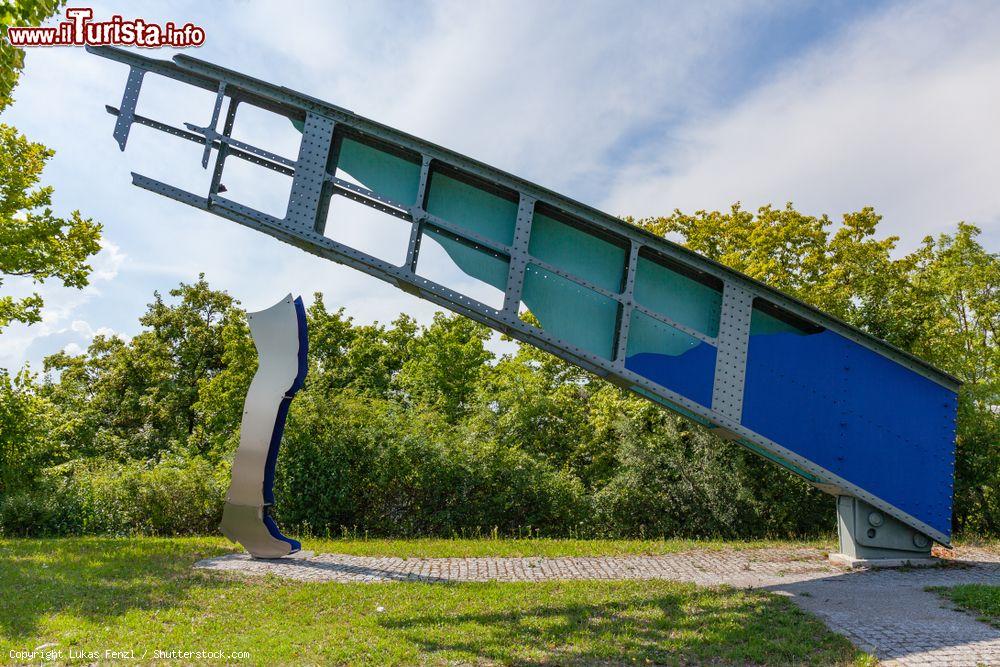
[(646, 334), (777, 459), (763, 323), (483, 265), (670, 406), (382, 173), (680, 298), (577, 315), (470, 207), (575, 251)]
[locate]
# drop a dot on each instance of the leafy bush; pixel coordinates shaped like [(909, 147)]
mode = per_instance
[(48, 508), (354, 461), (173, 497), (410, 430), (676, 479)]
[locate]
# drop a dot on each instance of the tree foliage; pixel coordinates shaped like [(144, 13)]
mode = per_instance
[(137, 399), (406, 429), (25, 423), (34, 242), (18, 13)]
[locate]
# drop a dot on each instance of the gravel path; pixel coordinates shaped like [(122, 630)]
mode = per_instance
[(885, 612)]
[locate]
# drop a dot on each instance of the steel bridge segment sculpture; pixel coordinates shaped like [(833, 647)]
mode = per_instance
[(849, 413)]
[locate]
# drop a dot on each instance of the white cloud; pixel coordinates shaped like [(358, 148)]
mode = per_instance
[(898, 112), (20, 343), (107, 262), (545, 89), (88, 332), (83, 328)]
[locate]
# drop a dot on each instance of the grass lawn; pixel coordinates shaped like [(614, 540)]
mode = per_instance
[(979, 599), (141, 595)]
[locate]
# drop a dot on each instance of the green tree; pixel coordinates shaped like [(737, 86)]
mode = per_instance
[(411, 430), (139, 397), (189, 332), (25, 421), (675, 478), (34, 242), (961, 279), (848, 273), (444, 363), (962, 282), (18, 13), (219, 407), (528, 401), (363, 358)]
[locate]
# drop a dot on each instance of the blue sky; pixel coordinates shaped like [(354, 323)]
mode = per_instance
[(635, 108)]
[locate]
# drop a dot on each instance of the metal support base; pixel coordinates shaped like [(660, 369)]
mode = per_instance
[(871, 538), (881, 563)]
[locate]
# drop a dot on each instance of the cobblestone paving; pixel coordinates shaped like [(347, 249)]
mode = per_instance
[(885, 612)]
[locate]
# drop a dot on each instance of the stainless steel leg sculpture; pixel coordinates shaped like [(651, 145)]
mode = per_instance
[(279, 333)]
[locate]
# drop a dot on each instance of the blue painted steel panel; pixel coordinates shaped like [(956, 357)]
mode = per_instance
[(856, 413), (688, 374), (671, 358)]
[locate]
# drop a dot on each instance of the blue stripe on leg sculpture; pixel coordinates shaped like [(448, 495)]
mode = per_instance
[(279, 334)]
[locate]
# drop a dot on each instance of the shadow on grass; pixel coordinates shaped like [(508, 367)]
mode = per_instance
[(110, 590), (93, 578), (668, 624)]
